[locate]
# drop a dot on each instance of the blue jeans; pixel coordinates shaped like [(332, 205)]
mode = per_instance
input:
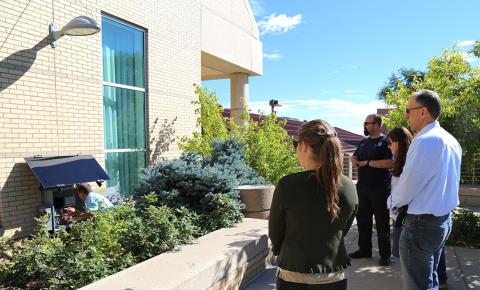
[(421, 243), (442, 267)]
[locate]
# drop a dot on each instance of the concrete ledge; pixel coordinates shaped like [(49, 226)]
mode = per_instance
[(224, 259)]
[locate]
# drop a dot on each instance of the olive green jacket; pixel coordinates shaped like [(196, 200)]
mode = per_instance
[(300, 226)]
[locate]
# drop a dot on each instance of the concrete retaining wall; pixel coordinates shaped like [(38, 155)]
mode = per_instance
[(224, 259)]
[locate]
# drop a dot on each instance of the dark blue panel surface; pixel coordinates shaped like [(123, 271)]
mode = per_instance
[(60, 171)]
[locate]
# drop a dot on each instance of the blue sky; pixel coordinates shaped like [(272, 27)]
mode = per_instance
[(327, 59)]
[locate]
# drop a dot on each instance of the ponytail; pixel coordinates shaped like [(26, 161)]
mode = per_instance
[(323, 140), (328, 175)]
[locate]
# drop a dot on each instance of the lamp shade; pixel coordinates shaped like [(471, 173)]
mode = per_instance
[(80, 26)]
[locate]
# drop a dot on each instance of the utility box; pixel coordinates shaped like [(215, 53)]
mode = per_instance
[(57, 176)]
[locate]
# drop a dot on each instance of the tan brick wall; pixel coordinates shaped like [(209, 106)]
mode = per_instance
[(51, 99)]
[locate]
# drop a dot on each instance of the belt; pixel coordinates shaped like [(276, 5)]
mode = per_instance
[(424, 216), (420, 216)]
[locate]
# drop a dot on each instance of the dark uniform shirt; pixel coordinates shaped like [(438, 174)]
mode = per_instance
[(373, 149)]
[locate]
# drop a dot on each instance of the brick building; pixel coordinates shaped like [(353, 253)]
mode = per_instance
[(105, 94)]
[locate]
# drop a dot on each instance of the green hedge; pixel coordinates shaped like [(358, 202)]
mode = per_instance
[(98, 247), (466, 229)]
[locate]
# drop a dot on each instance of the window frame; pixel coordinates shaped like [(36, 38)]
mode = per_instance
[(128, 87)]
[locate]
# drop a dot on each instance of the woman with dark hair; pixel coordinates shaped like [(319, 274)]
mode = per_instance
[(399, 140), (311, 213)]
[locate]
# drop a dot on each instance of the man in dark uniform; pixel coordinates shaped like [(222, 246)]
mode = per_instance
[(373, 159)]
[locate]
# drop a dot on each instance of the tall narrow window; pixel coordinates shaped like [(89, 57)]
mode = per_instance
[(123, 102)]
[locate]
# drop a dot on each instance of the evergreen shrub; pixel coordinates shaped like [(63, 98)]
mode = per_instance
[(204, 184)]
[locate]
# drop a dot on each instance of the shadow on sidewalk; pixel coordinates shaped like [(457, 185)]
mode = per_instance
[(366, 274)]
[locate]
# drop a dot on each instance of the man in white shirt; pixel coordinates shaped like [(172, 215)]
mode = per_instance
[(429, 185)]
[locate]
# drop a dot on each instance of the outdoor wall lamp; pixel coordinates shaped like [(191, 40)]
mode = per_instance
[(78, 26)]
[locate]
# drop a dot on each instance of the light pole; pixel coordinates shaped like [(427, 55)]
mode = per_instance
[(274, 103)]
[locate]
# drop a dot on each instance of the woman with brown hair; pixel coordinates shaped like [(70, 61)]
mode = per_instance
[(311, 213), (399, 140)]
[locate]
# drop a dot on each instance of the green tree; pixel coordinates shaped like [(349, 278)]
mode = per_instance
[(268, 147), (458, 85), (406, 77), (209, 119), (476, 49)]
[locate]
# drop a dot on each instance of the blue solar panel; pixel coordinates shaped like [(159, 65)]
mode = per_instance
[(59, 171)]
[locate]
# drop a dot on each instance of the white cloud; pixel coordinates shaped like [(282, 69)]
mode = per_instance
[(257, 7), (351, 92), (464, 42), (259, 106), (274, 55), (279, 23), (468, 57)]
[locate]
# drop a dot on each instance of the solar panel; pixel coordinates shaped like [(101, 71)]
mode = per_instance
[(59, 171)]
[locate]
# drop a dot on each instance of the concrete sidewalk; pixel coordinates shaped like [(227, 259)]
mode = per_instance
[(463, 269)]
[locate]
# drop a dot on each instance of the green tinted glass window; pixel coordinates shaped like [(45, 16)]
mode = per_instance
[(123, 54), (124, 118), (124, 102), (123, 169)]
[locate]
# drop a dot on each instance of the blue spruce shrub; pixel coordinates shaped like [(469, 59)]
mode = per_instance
[(186, 182), (204, 184), (228, 155)]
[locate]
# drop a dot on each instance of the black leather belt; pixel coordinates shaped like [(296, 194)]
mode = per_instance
[(421, 216), (424, 216)]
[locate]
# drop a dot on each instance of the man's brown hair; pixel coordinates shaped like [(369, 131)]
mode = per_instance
[(83, 188)]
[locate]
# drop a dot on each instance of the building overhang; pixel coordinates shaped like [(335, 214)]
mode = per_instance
[(230, 40)]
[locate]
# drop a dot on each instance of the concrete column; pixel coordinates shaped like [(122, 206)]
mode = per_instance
[(238, 96)]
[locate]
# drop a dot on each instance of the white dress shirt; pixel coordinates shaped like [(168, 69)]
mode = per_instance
[(430, 179)]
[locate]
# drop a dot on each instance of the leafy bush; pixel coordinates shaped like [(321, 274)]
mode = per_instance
[(98, 247), (465, 229), (210, 121), (158, 232), (267, 145), (225, 212), (67, 260)]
